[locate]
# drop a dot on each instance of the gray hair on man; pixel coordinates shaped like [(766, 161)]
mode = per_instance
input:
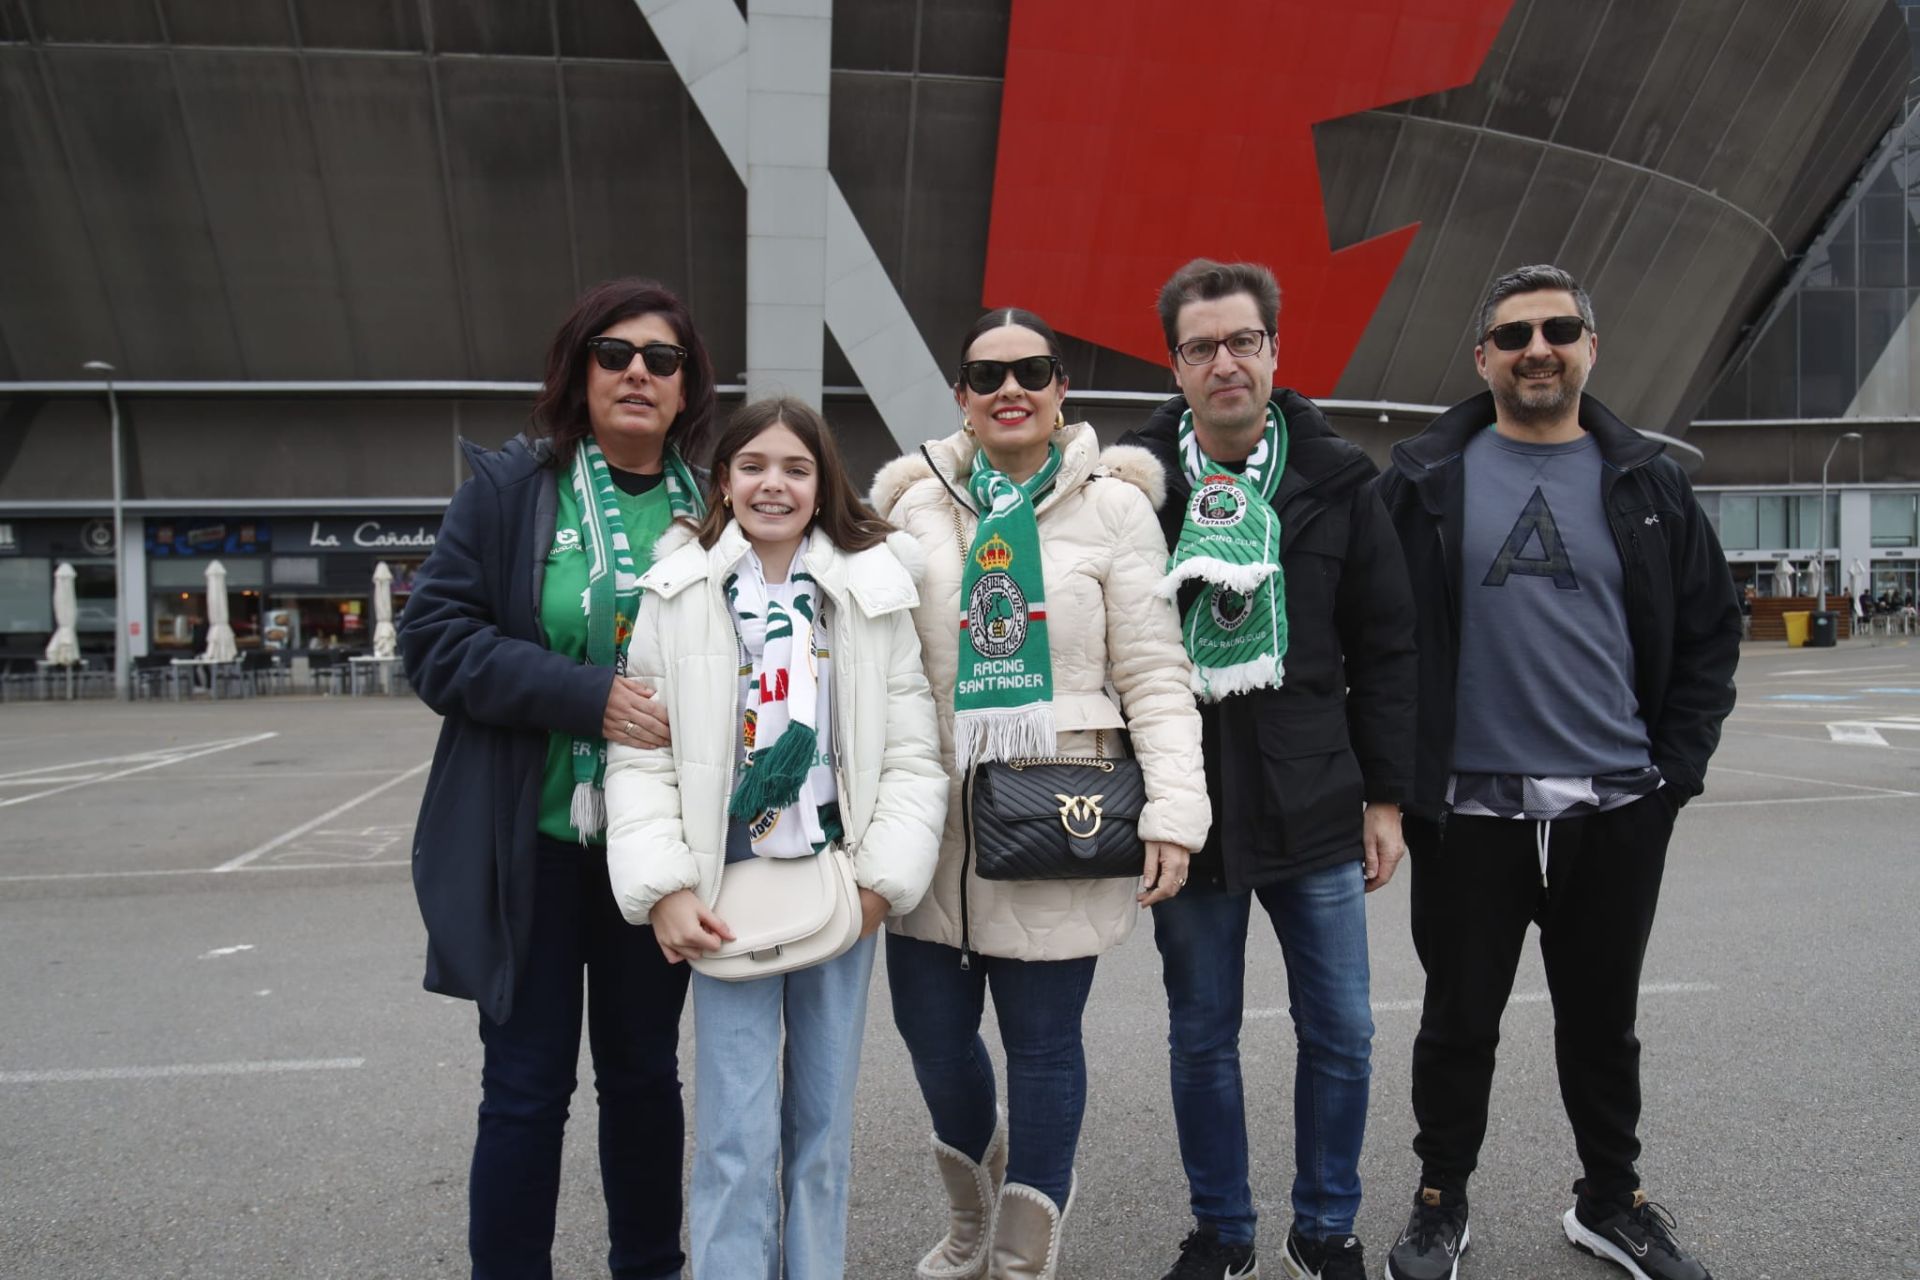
[(1534, 279)]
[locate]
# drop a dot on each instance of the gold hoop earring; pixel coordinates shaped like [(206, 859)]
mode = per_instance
[(726, 499), (965, 426)]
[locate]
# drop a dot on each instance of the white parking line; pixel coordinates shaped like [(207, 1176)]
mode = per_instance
[(234, 864), (1519, 997), (1818, 782), (32, 876), (165, 759), (181, 1071)]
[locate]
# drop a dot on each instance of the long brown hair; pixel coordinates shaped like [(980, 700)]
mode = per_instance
[(560, 411), (847, 522)]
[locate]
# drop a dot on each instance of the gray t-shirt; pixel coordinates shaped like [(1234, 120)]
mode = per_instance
[(1546, 682)]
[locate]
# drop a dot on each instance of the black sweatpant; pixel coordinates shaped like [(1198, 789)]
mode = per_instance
[(1475, 890)]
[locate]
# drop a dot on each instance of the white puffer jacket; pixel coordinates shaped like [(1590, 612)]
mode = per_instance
[(666, 809), (1103, 557)]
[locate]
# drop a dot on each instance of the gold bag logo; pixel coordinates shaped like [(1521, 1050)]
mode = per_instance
[(1080, 815)]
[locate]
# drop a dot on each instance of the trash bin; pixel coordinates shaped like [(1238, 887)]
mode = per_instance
[(1796, 620), (1823, 630)]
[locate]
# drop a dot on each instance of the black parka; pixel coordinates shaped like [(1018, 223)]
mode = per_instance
[(1683, 614), (475, 650), (1289, 768)]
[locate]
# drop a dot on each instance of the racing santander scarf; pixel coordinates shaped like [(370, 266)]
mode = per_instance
[(611, 600), (1236, 629), (785, 770), (1003, 688)]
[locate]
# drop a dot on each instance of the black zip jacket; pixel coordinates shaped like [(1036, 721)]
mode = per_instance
[(1683, 615), (1289, 768)]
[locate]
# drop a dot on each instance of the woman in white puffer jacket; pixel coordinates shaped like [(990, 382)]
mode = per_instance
[(1108, 631), (788, 586)]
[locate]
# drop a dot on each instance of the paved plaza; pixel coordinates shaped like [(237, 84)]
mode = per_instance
[(216, 1060)]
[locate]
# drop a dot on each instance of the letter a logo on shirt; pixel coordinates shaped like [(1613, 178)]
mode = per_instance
[(1536, 519)]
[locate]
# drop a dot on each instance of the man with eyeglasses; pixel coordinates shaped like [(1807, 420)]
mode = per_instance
[(1298, 618), (1578, 632)]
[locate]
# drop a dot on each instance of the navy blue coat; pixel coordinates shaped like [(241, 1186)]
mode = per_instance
[(475, 650)]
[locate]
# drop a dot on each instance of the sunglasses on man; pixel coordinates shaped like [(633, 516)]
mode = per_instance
[(984, 377), (615, 355), (1517, 335)]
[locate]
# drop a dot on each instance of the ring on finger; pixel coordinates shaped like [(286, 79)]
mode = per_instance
[(627, 728)]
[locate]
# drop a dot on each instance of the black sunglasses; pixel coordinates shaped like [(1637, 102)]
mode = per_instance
[(1517, 335), (615, 355), (984, 377)]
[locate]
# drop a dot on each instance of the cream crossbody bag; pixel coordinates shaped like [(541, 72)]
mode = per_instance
[(785, 913)]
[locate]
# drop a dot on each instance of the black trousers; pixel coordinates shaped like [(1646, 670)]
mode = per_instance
[(1476, 887)]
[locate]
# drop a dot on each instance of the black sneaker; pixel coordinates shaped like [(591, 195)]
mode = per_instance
[(1633, 1232), (1332, 1258), (1436, 1236), (1203, 1256)]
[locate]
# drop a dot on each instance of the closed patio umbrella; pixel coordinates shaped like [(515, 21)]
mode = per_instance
[(1857, 580), (1783, 577), (64, 648), (386, 641), (220, 646)]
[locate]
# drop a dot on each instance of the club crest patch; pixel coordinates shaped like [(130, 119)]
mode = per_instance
[(1230, 609), (1220, 503), (997, 615)]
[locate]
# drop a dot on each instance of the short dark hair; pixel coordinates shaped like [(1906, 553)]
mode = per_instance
[(1539, 278), (1000, 318), (560, 410), (1203, 280), (849, 523)]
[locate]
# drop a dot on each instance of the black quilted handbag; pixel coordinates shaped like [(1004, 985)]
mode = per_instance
[(1057, 818)]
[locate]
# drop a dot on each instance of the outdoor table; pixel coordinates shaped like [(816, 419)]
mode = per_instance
[(187, 666), (368, 673)]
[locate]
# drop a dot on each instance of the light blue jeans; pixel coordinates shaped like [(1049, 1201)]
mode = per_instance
[(754, 1109)]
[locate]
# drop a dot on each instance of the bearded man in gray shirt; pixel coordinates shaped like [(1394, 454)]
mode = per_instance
[(1578, 631)]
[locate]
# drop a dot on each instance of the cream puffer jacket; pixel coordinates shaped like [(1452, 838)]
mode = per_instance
[(1103, 558), (666, 808)]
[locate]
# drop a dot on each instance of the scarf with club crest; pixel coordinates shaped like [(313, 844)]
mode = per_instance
[(1003, 689), (611, 600), (786, 793), (1236, 629)]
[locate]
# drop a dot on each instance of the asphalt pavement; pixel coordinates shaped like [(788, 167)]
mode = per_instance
[(216, 1060)]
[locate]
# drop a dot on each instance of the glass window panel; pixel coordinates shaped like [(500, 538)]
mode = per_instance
[(1739, 522), (26, 595), (1806, 520), (1883, 217), (1894, 519), (1828, 373), (1772, 512), (1883, 264), (1881, 311)]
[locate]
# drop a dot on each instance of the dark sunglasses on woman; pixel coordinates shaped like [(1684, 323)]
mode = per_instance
[(984, 377), (615, 355), (1517, 335)]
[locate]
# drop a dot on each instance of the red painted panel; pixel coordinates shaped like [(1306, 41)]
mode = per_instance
[(1136, 134)]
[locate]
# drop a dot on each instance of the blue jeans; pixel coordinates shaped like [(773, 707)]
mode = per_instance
[(633, 999), (937, 1005), (1321, 920), (752, 1111)]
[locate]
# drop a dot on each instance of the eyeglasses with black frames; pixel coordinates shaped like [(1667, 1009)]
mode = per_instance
[(615, 355), (1244, 343), (1517, 335)]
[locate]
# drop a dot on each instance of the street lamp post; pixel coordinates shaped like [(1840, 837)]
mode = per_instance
[(1851, 435), (121, 676)]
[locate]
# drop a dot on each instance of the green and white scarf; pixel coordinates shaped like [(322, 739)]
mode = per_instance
[(611, 601), (786, 793), (1003, 689), (1236, 629)]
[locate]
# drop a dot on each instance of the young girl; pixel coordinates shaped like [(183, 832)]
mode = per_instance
[(787, 587)]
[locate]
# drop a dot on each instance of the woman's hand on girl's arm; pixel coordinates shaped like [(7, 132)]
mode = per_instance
[(634, 716), (684, 928), (873, 910), (1166, 872)]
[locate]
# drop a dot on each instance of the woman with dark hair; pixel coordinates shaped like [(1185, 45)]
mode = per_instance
[(516, 633), (1049, 551), (780, 631)]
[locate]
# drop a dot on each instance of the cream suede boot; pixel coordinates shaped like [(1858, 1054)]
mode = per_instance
[(1026, 1234), (972, 1191)]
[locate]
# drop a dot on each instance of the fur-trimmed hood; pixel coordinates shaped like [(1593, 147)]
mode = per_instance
[(1082, 459)]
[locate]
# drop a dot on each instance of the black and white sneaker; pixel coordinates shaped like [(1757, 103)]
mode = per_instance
[(1333, 1258), (1634, 1233), (1204, 1256), (1436, 1236)]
